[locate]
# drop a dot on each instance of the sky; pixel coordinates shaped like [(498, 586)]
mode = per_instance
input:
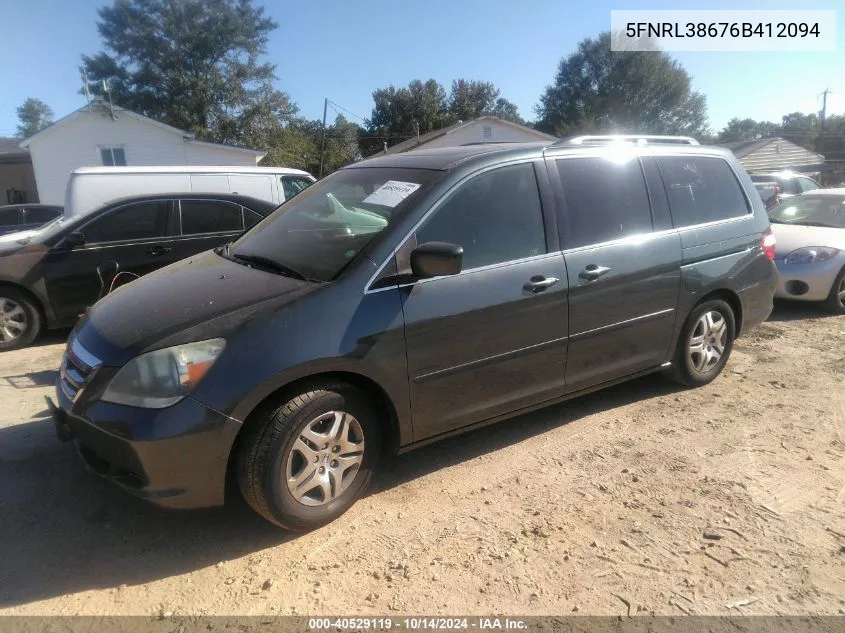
[(345, 49)]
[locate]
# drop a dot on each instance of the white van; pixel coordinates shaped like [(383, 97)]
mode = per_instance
[(91, 187)]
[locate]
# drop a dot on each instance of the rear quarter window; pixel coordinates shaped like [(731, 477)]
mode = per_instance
[(701, 189)]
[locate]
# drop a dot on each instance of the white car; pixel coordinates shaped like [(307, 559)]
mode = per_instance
[(810, 233)]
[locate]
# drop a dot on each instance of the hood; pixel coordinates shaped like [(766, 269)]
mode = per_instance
[(789, 237), (198, 298), (17, 235)]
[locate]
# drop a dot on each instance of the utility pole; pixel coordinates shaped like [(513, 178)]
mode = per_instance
[(417, 123), (323, 139), (823, 117)]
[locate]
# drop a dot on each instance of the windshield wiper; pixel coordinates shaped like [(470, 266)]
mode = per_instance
[(270, 264)]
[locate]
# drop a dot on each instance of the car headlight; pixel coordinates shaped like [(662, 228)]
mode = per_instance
[(811, 255), (159, 379)]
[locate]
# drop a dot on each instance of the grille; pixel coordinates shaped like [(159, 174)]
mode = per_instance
[(78, 365)]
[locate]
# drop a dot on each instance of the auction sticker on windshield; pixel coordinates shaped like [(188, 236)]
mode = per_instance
[(392, 193)]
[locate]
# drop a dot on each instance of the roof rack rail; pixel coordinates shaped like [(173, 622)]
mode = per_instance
[(634, 139)]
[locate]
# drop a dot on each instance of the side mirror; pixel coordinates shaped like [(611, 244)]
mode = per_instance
[(77, 238), (435, 259)]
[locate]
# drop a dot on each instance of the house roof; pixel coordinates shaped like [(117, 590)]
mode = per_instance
[(11, 152), (119, 112), (774, 153), (415, 142), (742, 148)]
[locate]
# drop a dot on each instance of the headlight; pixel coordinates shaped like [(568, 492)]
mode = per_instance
[(811, 255), (159, 379)]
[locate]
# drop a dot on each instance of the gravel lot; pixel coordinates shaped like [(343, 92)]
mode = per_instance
[(641, 499)]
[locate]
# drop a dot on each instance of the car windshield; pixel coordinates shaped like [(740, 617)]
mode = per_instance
[(317, 233), (825, 210)]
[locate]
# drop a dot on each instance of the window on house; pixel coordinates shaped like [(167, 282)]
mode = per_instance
[(487, 131), (113, 156)]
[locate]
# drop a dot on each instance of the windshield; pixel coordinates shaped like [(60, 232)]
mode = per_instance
[(324, 227), (811, 211)]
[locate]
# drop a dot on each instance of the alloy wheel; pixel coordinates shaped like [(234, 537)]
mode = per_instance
[(13, 320), (707, 341), (325, 458), (841, 291)]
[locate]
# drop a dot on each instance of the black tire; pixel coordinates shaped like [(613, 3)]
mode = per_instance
[(683, 368), (262, 458), (834, 303), (10, 335)]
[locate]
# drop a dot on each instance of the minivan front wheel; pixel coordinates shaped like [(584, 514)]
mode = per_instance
[(307, 461), (705, 344)]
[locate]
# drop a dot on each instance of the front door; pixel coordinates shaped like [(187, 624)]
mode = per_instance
[(624, 277), (131, 239), (491, 339)]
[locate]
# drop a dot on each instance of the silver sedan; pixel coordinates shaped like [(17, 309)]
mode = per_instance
[(810, 249)]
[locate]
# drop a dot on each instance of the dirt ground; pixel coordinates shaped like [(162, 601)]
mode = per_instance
[(641, 499)]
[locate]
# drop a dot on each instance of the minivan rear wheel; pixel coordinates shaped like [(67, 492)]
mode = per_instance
[(304, 463), (705, 344)]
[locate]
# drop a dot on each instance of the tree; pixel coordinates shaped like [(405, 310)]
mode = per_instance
[(400, 113), (508, 111), (746, 130), (597, 90), (471, 99), (34, 115), (194, 64)]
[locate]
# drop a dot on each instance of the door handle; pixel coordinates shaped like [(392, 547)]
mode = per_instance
[(538, 283), (593, 272), (159, 250)]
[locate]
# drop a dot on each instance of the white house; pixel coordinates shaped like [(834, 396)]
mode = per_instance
[(100, 134), (485, 129)]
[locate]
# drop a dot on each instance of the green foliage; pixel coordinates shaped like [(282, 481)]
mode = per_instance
[(401, 113), (508, 111), (471, 99), (747, 129), (33, 115), (801, 129), (193, 64), (599, 91)]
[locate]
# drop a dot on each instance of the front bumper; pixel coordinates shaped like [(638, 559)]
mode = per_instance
[(174, 457), (807, 282)]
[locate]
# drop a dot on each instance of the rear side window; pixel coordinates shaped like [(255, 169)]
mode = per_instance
[(605, 200), (807, 184), (251, 218), (40, 214), (210, 216), (143, 220), (9, 217), (701, 189), (789, 185)]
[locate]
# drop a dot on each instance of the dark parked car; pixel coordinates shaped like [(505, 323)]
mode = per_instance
[(47, 280), (406, 298), (25, 217), (789, 182)]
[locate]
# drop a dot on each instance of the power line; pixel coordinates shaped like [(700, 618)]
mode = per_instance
[(337, 105)]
